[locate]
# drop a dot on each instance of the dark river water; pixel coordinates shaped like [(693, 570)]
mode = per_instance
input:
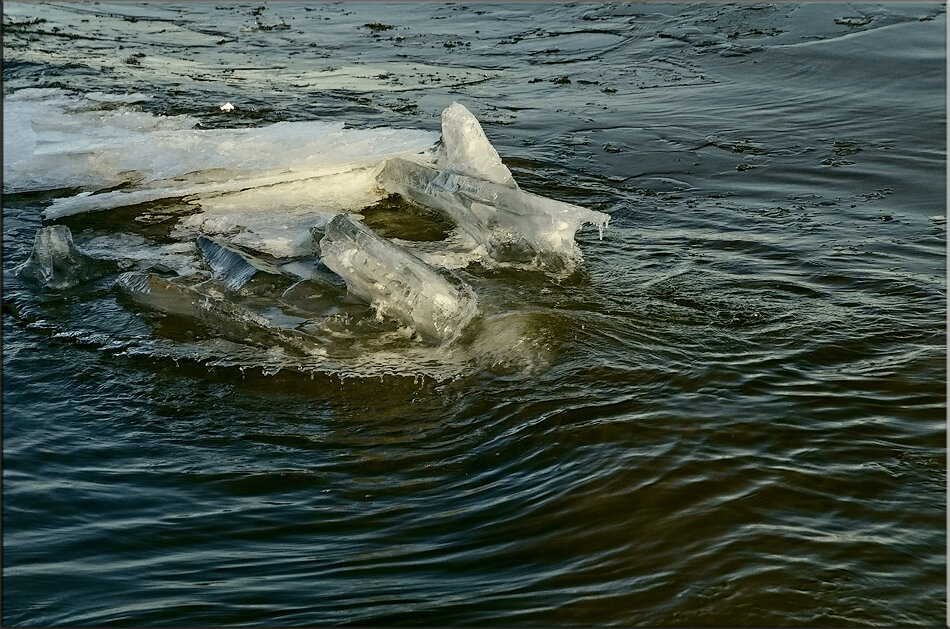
[(733, 413)]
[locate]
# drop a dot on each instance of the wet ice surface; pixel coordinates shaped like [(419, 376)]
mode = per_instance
[(731, 411), (397, 283), (56, 262), (243, 195), (510, 224)]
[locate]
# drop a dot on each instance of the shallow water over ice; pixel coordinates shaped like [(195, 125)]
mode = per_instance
[(732, 412)]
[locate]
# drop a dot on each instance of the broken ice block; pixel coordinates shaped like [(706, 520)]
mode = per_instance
[(397, 283), (56, 262), (230, 319), (465, 149), (233, 267), (511, 224), (469, 183)]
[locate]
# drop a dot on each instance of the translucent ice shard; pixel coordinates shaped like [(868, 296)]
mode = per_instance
[(56, 262), (396, 282), (233, 267), (470, 184), (511, 224), (229, 319), (465, 149)]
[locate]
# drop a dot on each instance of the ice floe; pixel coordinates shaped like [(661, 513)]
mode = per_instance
[(282, 203)]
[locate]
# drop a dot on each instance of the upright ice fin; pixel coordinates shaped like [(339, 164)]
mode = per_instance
[(56, 262), (466, 150), (470, 184), (229, 319), (511, 224), (235, 268), (397, 283)]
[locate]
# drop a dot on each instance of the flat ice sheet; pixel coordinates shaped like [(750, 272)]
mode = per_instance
[(268, 183)]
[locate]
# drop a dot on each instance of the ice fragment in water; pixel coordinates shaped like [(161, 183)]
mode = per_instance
[(314, 270), (53, 139), (56, 262), (226, 317), (470, 184), (465, 149), (234, 268), (511, 224), (396, 282)]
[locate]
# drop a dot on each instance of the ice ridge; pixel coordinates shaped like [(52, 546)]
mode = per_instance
[(235, 268)]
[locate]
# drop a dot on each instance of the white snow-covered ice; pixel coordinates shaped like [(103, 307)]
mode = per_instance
[(269, 184), (232, 266)]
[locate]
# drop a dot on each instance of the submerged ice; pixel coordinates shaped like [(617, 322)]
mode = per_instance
[(282, 203), (233, 321)]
